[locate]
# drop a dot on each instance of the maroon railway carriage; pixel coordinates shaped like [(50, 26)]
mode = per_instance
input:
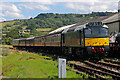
[(29, 42), (39, 41)]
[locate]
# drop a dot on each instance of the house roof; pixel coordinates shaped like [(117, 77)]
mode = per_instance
[(112, 18)]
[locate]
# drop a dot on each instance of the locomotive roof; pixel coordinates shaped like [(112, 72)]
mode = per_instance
[(59, 30), (74, 28), (23, 39), (19, 39), (80, 27), (30, 38), (53, 33), (39, 36), (16, 39)]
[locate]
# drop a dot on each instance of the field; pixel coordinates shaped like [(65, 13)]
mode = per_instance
[(22, 64), (44, 29), (8, 23)]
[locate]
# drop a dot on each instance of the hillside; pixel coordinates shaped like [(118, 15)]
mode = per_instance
[(42, 24)]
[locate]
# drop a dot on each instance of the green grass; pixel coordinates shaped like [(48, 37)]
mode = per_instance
[(0, 61), (4, 52), (27, 65), (0, 64)]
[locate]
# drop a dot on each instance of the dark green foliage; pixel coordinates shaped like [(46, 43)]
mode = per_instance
[(17, 23), (12, 34), (7, 40), (100, 13), (7, 26)]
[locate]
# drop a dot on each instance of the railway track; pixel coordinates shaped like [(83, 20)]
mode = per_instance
[(111, 66), (103, 68), (112, 61), (97, 69), (81, 72), (83, 69)]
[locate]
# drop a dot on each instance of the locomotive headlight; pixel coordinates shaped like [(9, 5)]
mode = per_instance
[(105, 38)]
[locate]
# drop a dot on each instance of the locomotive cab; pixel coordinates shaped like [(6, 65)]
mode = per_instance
[(96, 37)]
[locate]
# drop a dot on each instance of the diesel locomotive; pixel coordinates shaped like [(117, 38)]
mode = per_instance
[(85, 40)]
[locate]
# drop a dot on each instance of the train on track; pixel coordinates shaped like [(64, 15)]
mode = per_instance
[(85, 40)]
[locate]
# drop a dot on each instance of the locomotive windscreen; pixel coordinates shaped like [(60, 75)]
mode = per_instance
[(96, 29)]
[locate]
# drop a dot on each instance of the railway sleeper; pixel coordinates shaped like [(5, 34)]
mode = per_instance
[(89, 71), (109, 65), (97, 71), (112, 63), (93, 65), (89, 76), (82, 72), (115, 62)]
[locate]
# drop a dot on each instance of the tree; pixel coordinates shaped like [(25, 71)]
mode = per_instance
[(13, 33)]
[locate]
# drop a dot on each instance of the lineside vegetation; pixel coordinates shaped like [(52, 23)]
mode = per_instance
[(21, 64)]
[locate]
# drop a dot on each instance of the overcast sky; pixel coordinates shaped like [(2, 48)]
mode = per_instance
[(24, 9)]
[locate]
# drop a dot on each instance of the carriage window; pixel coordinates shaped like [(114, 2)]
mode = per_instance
[(87, 31)]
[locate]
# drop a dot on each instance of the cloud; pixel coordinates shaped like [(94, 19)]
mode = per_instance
[(46, 1), (92, 6), (119, 5), (34, 5), (56, 0), (14, 14), (10, 10), (9, 7), (113, 10), (2, 19), (50, 2), (29, 17), (1, 14), (78, 7)]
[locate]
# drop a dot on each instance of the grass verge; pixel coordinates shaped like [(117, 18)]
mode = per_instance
[(21, 64)]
